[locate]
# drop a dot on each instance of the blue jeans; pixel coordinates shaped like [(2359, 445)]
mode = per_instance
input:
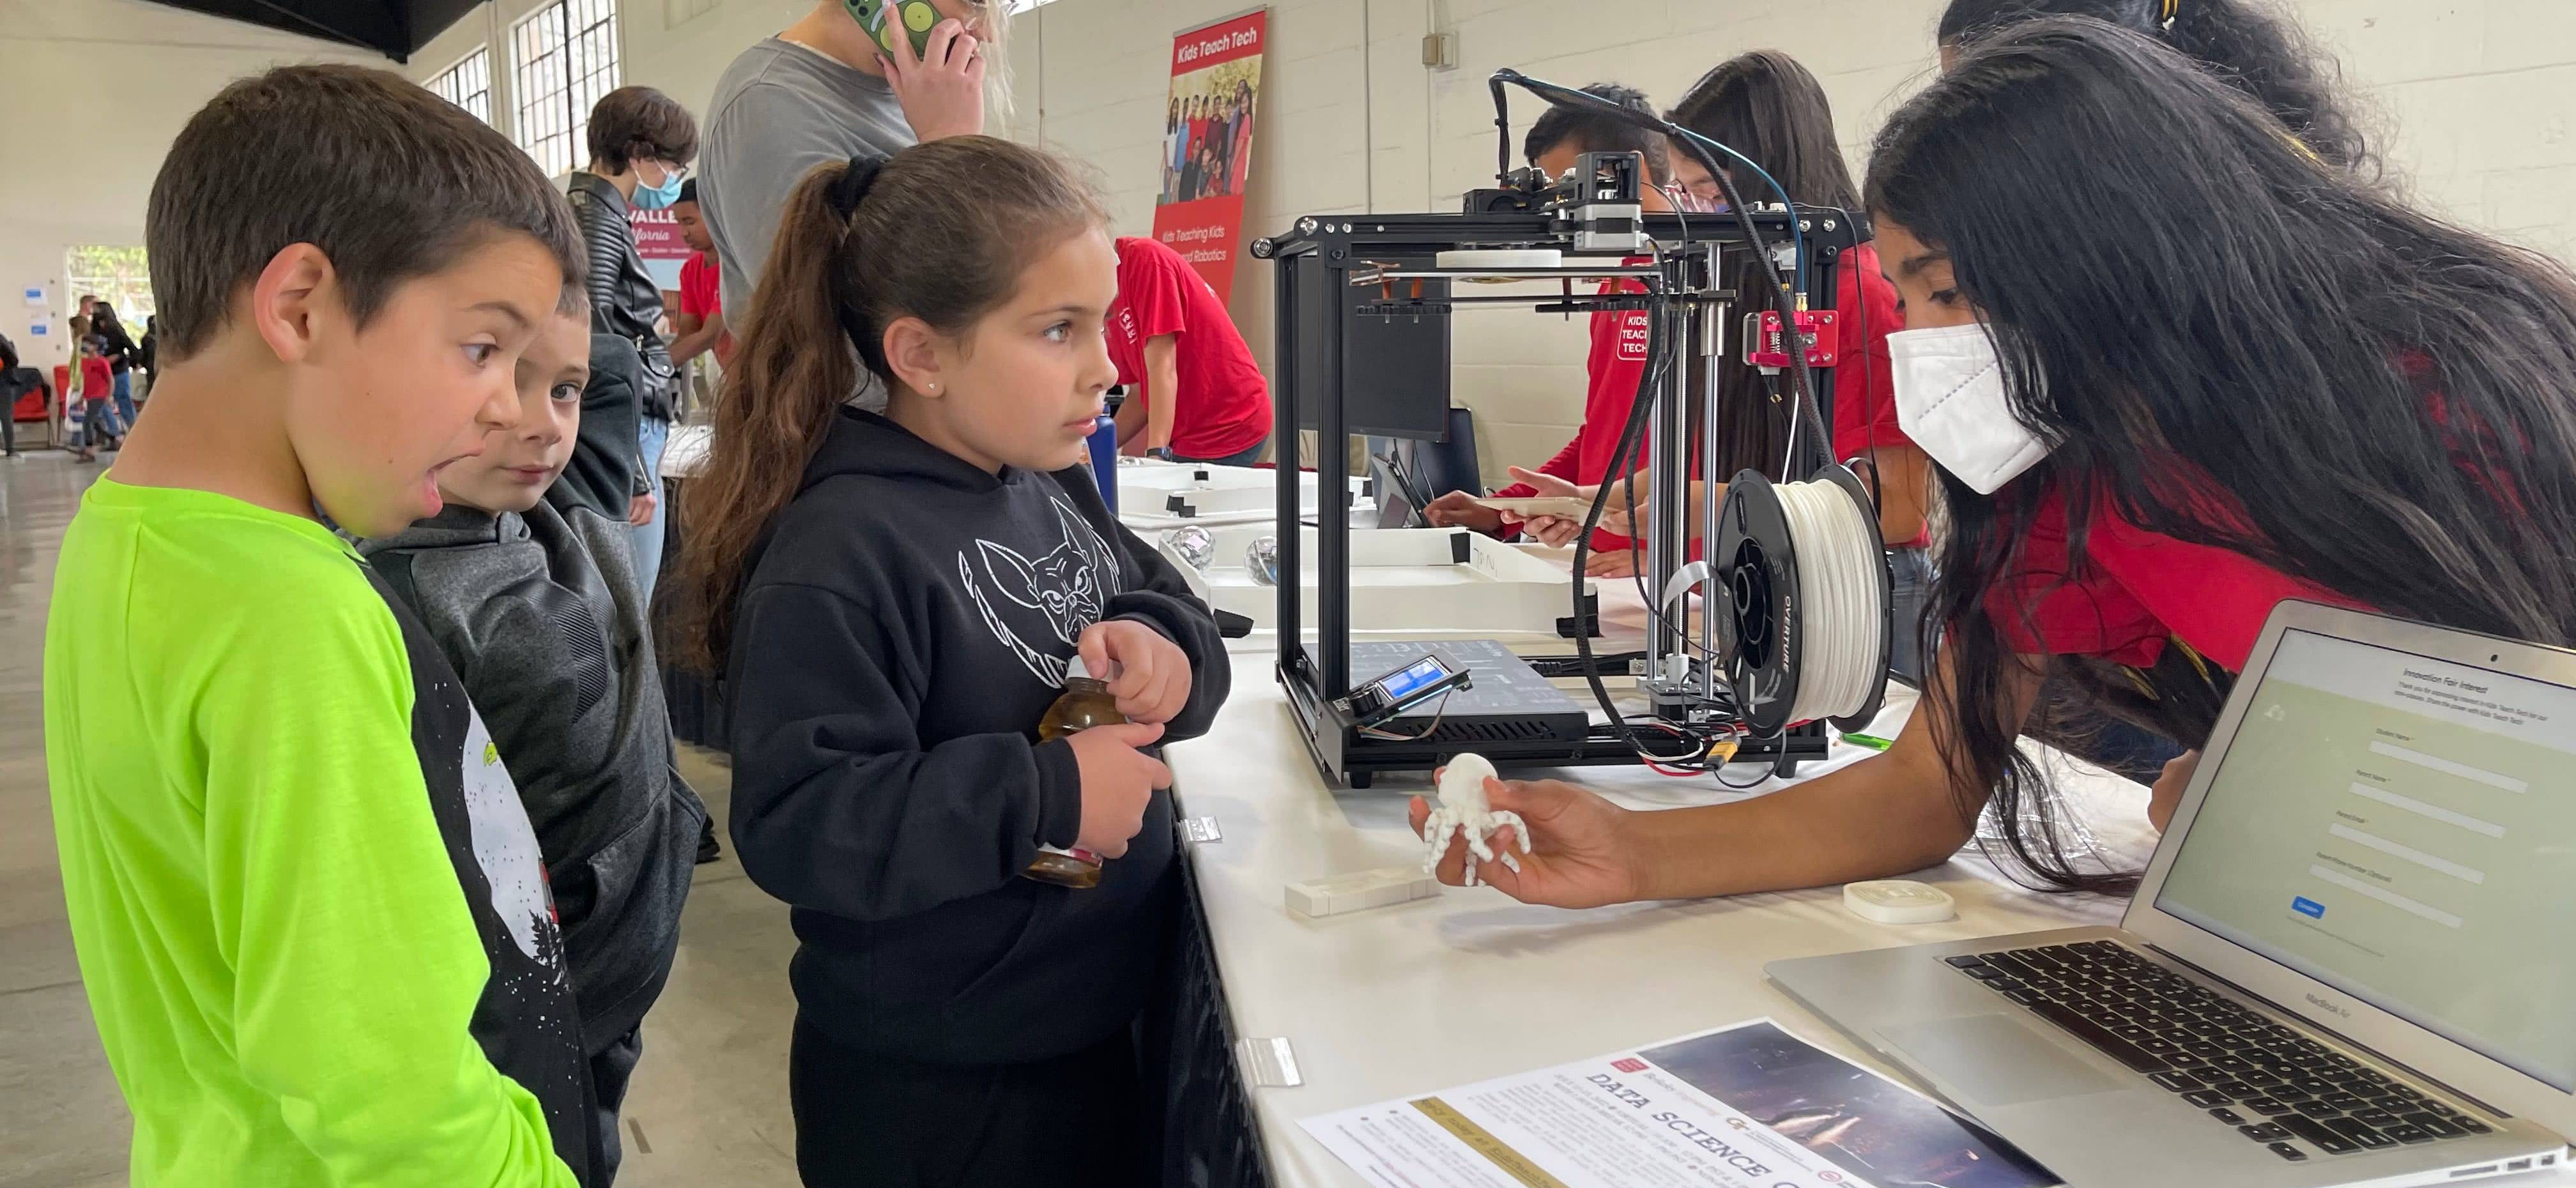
[(125, 398), (650, 437), (98, 423), (1244, 458)]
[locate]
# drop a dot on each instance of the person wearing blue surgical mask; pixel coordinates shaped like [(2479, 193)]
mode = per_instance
[(2145, 442), (641, 143)]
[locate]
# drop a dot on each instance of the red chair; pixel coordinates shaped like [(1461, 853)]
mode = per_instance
[(39, 405)]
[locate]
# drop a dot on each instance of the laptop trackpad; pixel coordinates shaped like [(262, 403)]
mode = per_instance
[(1997, 1060)]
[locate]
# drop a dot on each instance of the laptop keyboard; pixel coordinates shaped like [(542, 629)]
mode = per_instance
[(2273, 1085)]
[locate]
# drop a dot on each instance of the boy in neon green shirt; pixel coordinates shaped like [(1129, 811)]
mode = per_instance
[(310, 916)]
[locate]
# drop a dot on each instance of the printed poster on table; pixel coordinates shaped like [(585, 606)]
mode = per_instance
[(1207, 144), (1748, 1106)]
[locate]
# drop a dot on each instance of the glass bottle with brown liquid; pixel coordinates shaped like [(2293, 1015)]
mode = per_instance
[(1084, 704)]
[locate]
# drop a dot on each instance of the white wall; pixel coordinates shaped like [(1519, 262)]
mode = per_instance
[(679, 46), (94, 91), (2477, 99)]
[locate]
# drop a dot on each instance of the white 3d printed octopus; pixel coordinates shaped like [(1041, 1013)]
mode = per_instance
[(1464, 812)]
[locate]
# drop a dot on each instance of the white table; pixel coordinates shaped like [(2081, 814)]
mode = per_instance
[(1471, 984)]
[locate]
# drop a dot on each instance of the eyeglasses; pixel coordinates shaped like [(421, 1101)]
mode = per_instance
[(1687, 202)]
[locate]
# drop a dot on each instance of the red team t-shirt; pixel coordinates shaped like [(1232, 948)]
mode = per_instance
[(1864, 383), (97, 380), (1864, 375), (2140, 589), (701, 296), (1617, 361), (1223, 407)]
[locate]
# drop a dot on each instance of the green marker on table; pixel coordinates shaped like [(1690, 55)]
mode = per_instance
[(1872, 741)]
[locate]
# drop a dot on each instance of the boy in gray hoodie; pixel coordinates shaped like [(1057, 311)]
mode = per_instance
[(531, 592)]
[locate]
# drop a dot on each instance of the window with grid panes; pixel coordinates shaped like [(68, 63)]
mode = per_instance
[(468, 84), (566, 58)]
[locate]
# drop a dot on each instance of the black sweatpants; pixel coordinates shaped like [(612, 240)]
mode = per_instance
[(612, 1069), (868, 1120)]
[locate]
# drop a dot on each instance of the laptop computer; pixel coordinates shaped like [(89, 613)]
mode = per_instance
[(1400, 500), (2352, 961)]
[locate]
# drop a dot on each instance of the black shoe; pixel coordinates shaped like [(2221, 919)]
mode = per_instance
[(708, 850)]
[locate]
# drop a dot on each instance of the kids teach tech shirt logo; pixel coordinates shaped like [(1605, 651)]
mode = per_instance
[(1633, 334)]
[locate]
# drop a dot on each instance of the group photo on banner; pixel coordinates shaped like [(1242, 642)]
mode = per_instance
[(1208, 136), (1207, 143)]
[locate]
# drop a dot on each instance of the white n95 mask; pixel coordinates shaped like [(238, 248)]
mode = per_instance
[(1950, 400)]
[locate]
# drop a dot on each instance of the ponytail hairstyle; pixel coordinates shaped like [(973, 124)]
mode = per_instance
[(940, 232), (2244, 42), (2243, 349), (1766, 106)]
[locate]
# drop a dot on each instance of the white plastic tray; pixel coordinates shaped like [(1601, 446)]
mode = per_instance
[(1213, 496), (1402, 580)]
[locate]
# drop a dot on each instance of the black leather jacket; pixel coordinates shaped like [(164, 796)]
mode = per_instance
[(623, 298), (605, 475)]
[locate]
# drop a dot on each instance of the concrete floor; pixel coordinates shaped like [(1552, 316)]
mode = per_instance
[(709, 1103)]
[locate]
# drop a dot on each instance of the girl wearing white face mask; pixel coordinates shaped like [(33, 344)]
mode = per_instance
[(2273, 381)]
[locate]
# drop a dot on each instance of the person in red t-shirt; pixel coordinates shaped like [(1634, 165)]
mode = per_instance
[(2138, 464), (100, 430), (699, 322), (1773, 108), (1619, 337), (1194, 393), (1195, 174), (1238, 174)]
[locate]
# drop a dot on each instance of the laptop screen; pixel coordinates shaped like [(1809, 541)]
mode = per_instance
[(2402, 829)]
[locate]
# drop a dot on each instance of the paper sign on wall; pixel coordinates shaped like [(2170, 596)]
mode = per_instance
[(1207, 144), (36, 330), (35, 294), (657, 239)]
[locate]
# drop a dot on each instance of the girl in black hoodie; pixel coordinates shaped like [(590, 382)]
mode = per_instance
[(893, 600)]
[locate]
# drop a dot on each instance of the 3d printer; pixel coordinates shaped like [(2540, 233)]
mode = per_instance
[(1364, 309)]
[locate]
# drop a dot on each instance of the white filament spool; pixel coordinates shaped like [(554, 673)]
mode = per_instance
[(1838, 559)]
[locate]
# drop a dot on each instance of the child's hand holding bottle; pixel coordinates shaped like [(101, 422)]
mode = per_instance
[(1118, 783), (1151, 674)]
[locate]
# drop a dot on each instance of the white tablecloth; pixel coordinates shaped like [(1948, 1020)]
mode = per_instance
[(1470, 984)]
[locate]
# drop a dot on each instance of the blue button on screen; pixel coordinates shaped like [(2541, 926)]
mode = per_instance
[(2307, 907)]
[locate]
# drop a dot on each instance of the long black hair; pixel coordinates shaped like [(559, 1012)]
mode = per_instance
[(1766, 106), (2243, 41), (2242, 348)]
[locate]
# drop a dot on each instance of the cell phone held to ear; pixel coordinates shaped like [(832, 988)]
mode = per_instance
[(883, 19)]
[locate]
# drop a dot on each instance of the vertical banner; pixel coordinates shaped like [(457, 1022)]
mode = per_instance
[(657, 239), (1207, 144)]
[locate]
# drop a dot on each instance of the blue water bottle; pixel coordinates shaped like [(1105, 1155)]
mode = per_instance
[(1104, 453)]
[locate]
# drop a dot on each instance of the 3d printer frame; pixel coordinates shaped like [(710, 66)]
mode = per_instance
[(1691, 295)]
